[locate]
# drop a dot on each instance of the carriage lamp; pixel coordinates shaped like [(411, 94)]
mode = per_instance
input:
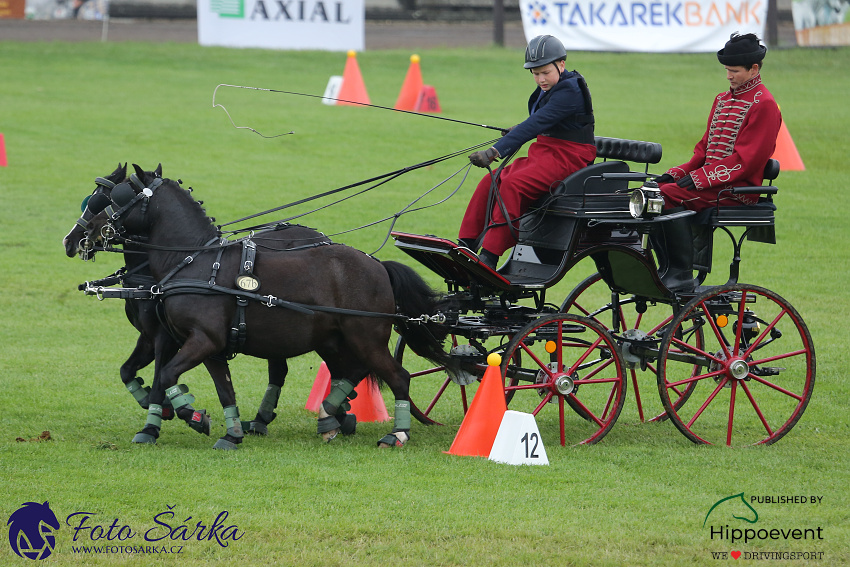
[(646, 201)]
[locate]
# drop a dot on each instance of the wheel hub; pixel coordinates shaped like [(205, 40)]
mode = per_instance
[(738, 369), (564, 385), (559, 384)]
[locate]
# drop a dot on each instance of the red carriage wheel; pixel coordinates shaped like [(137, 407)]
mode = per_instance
[(637, 318), (756, 367), (562, 358)]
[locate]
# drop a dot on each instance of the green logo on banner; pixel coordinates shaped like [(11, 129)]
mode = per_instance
[(228, 8)]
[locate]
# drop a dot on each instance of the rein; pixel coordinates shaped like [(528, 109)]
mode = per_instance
[(386, 177)]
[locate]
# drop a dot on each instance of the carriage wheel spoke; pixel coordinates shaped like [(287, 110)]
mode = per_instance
[(731, 413), (708, 401), (757, 408)]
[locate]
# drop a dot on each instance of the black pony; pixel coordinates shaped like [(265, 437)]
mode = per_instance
[(334, 300), (142, 314)]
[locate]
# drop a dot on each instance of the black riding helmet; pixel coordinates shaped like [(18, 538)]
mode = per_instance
[(542, 50)]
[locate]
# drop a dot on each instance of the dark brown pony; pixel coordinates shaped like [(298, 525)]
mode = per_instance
[(142, 314), (334, 300)]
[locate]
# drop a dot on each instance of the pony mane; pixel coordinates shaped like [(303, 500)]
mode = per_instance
[(185, 196)]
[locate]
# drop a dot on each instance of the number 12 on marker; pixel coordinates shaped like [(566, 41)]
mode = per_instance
[(527, 440)]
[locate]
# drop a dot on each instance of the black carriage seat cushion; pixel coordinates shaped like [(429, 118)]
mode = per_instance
[(628, 150)]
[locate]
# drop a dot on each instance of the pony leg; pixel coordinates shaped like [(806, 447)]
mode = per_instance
[(265, 413), (182, 400), (142, 355), (150, 432), (334, 408), (234, 430), (401, 426)]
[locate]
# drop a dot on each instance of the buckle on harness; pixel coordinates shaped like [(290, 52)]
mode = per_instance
[(246, 280)]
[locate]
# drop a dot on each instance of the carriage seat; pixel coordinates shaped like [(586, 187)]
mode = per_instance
[(551, 221), (758, 219), (760, 214)]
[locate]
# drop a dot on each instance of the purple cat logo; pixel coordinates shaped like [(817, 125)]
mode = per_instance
[(31, 530)]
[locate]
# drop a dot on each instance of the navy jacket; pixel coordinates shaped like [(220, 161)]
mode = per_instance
[(562, 113)]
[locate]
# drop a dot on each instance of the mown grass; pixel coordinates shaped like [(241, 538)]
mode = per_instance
[(70, 112)]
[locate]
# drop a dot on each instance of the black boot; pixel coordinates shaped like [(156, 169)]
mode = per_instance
[(488, 259), (468, 243), (674, 247)]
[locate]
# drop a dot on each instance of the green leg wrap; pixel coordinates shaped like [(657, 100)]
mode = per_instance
[(269, 403), (402, 415), (340, 390), (182, 400), (154, 416), (135, 386), (231, 419), (180, 396)]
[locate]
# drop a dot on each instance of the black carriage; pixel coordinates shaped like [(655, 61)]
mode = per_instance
[(734, 363)]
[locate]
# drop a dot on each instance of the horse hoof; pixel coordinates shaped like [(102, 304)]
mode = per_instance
[(348, 426), (329, 436), (256, 428), (142, 437), (392, 440), (225, 445)]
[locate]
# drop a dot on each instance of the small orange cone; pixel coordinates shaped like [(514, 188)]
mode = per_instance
[(481, 424), (786, 151), (353, 90), (320, 390), (3, 162), (427, 101), (368, 406), (411, 87)]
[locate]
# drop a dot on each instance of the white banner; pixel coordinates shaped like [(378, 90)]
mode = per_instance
[(331, 25), (643, 25)]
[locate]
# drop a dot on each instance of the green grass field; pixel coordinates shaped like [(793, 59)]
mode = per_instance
[(71, 112)]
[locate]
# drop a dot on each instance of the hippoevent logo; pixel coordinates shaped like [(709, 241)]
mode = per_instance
[(600, 13), (31, 530), (734, 520), (32, 527)]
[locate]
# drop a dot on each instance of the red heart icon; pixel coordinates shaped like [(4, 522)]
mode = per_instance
[(735, 554)]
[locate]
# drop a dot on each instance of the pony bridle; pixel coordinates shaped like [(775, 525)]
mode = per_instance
[(122, 199)]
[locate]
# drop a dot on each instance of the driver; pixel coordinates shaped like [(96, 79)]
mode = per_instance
[(561, 119)]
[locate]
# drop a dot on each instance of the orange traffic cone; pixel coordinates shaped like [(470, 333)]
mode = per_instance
[(368, 406), (481, 424), (353, 90), (320, 390), (411, 87), (3, 162), (786, 151), (427, 101)]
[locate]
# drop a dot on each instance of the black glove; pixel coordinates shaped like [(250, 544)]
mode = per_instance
[(484, 158), (506, 132), (686, 182), (666, 178)]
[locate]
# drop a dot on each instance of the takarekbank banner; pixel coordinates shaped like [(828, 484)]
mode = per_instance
[(331, 25), (643, 25)]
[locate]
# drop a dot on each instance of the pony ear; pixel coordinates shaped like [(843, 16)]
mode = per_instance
[(158, 171), (123, 169), (139, 171)]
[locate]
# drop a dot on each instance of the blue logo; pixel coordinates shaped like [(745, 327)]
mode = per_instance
[(538, 12), (31, 530)]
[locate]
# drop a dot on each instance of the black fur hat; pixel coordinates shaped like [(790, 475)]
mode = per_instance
[(741, 50)]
